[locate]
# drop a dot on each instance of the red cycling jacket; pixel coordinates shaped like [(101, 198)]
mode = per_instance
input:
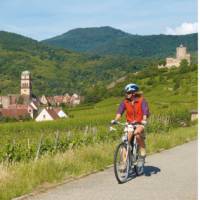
[(134, 109)]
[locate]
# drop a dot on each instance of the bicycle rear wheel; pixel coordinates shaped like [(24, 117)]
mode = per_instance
[(121, 163), (139, 167)]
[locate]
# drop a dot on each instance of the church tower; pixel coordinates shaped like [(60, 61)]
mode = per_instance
[(26, 86)]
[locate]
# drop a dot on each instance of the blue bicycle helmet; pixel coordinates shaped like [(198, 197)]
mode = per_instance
[(132, 87)]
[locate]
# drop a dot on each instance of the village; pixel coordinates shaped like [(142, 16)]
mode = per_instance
[(27, 106)]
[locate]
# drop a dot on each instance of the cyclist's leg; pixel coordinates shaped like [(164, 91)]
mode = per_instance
[(139, 132), (124, 151), (123, 162), (130, 136)]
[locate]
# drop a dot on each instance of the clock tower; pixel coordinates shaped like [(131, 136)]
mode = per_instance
[(26, 86)]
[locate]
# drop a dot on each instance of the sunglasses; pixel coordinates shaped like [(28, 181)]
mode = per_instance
[(130, 92)]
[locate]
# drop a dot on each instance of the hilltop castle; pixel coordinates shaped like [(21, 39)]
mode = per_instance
[(181, 54)]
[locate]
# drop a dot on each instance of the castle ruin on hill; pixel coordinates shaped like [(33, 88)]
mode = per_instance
[(181, 54)]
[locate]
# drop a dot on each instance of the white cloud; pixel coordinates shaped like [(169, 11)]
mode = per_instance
[(184, 28)]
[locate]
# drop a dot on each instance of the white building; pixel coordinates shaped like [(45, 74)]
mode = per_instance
[(194, 115), (75, 100), (181, 54), (60, 113), (44, 100), (50, 114)]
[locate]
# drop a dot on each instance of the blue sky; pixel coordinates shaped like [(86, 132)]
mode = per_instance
[(42, 19)]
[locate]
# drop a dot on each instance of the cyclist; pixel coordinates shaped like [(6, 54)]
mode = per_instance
[(137, 111)]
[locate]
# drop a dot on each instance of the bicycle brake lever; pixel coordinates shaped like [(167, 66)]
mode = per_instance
[(112, 129)]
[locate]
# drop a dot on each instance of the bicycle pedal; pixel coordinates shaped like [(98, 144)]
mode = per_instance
[(134, 163)]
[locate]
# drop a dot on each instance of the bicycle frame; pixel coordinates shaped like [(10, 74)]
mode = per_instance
[(131, 157), (133, 145)]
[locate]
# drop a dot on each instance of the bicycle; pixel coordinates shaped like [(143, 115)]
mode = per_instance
[(126, 157)]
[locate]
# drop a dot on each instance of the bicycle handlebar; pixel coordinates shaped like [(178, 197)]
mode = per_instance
[(126, 123)]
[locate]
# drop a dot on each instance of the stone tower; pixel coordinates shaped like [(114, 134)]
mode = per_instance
[(181, 52), (26, 86)]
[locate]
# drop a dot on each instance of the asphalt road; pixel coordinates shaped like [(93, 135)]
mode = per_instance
[(169, 175)]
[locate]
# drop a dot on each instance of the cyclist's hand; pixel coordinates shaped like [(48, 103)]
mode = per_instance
[(113, 122), (144, 122)]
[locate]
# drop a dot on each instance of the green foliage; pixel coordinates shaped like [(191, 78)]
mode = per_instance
[(107, 40), (12, 119), (57, 71), (184, 67), (154, 82)]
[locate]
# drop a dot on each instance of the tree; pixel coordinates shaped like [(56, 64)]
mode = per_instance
[(177, 84), (184, 67)]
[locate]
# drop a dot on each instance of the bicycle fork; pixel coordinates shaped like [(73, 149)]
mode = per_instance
[(134, 154)]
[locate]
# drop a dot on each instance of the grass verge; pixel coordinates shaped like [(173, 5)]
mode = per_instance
[(23, 177)]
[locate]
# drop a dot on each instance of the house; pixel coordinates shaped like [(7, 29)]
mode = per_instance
[(44, 100), (58, 100), (49, 114), (66, 98), (31, 109), (75, 100), (16, 113), (60, 113), (5, 101), (35, 105), (194, 115)]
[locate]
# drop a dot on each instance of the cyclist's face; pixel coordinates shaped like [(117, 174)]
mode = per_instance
[(130, 94)]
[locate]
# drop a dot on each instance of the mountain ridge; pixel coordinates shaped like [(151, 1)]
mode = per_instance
[(54, 70), (110, 41), (57, 71)]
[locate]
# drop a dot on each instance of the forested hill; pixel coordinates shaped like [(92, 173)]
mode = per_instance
[(107, 40), (57, 71), (15, 42)]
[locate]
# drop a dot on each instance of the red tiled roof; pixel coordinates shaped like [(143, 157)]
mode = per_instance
[(57, 110), (58, 99), (50, 100), (14, 112), (18, 106), (53, 113)]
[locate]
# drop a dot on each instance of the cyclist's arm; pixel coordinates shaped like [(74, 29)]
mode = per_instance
[(145, 117), (118, 117), (145, 110), (120, 111)]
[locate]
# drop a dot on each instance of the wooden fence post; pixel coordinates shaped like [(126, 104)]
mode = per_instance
[(39, 147), (56, 140), (28, 142)]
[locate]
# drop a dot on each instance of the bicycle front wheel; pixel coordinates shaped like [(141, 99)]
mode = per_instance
[(121, 163)]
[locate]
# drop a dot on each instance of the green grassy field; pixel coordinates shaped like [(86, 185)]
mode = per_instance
[(33, 153), (21, 178), (88, 124)]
